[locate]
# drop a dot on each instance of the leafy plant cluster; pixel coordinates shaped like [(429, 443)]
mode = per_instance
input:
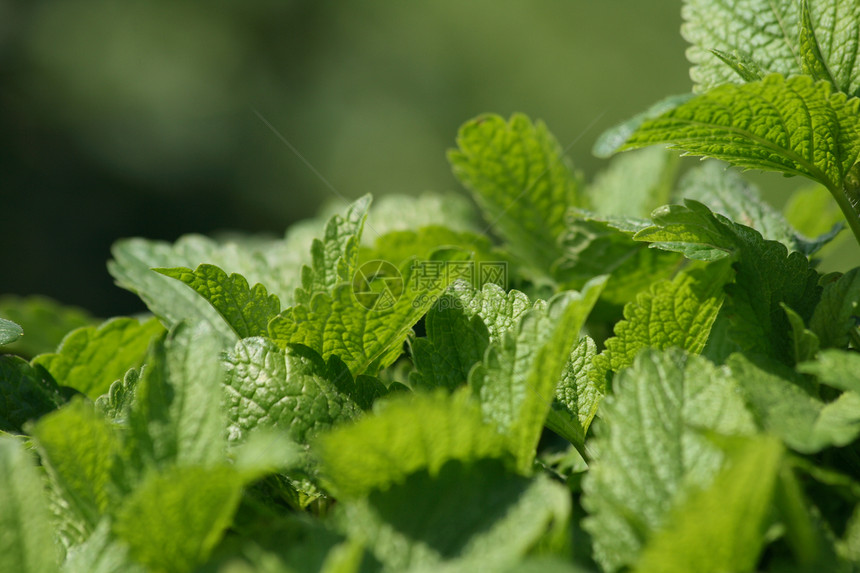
[(670, 385)]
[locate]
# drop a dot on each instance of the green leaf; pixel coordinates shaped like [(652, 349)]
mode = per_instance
[(678, 313), (335, 257), (90, 359), (765, 275), (176, 416), (273, 263), (397, 246), (723, 527), (517, 379), (519, 177), (650, 450), (394, 212), (576, 397), (836, 368), (290, 389), (725, 192), (778, 38), (406, 434), (246, 310), (804, 342), (9, 331), (364, 327), (595, 245), (27, 543), (613, 138), (174, 519), (634, 184), (102, 552), (26, 393), (455, 342), (793, 126), (499, 310), (466, 517), (836, 314), (747, 68), (459, 328), (80, 452), (777, 398), (812, 61), (45, 321)]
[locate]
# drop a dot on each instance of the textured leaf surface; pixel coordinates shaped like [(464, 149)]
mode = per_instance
[(726, 192), (459, 328), (765, 275), (247, 310), (576, 397), (677, 313), (397, 246), (335, 257), (273, 263), (472, 517), (80, 452), (26, 393), (90, 359), (27, 542), (517, 379), (723, 527), (793, 125), (782, 406), (650, 450), (9, 331), (517, 173), (289, 389), (367, 333), (177, 416), (769, 32), (196, 502), (410, 433)]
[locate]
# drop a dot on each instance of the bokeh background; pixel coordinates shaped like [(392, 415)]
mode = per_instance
[(157, 118)]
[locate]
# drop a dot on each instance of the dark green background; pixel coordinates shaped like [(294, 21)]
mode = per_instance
[(140, 117)]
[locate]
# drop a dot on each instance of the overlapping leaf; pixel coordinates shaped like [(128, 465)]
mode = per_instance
[(766, 275), (677, 313), (27, 541), (411, 433), (290, 389), (334, 257), (794, 126), (517, 379), (247, 310), (772, 34), (517, 173), (90, 359), (722, 528), (366, 329), (650, 449)]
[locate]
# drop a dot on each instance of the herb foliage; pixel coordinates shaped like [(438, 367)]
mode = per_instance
[(644, 372)]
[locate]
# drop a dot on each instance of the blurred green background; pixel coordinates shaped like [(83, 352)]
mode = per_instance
[(149, 118)]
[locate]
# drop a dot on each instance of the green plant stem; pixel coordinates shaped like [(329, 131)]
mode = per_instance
[(848, 199)]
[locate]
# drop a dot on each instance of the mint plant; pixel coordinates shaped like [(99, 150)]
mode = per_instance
[(642, 372)]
